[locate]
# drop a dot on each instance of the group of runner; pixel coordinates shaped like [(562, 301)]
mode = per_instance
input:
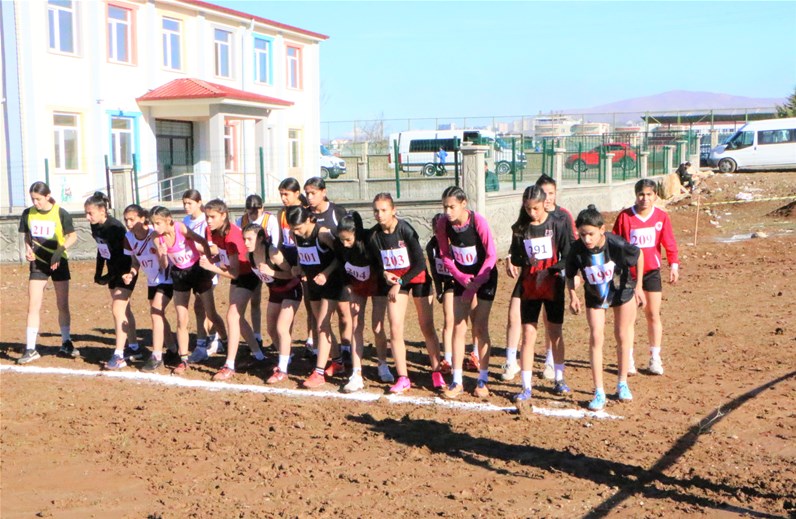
[(314, 250)]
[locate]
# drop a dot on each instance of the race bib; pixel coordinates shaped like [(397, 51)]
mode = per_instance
[(466, 256), (440, 266), (600, 274), (308, 256), (643, 237), (182, 258), (287, 240), (42, 229), (394, 259), (358, 273), (539, 248), (104, 250), (150, 267), (263, 277)]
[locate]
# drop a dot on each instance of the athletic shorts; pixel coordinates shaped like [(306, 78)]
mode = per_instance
[(332, 290), (416, 289), (193, 278), (249, 281), (39, 270), (167, 289), (364, 289), (531, 308), (291, 294), (117, 282), (652, 281), (486, 292), (345, 295), (447, 284), (517, 292)]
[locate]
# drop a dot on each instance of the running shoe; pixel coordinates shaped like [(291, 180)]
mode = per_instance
[(524, 396), (276, 377), (335, 368), (314, 380), (445, 367), (472, 363), (510, 370), (223, 374), (199, 354), (437, 380), (355, 383), (28, 356), (549, 372), (656, 366), (116, 362), (598, 403), (212, 345), (68, 350), (561, 388), (181, 368), (152, 364), (384, 374), (481, 391), (623, 392), (137, 354), (401, 386), (171, 357), (453, 391)]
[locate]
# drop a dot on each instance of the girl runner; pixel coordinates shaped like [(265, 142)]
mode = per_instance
[(206, 339), (400, 269), (225, 240), (284, 289), (443, 287), (468, 250), (177, 242), (352, 253), (48, 232), (604, 260), (139, 244), (648, 227), (317, 263), (109, 233), (540, 244)]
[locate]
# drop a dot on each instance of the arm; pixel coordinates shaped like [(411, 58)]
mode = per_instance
[(200, 240), (325, 237), (670, 245), (70, 237), (445, 254), (417, 260), (485, 234), (278, 259), (563, 245), (435, 277), (572, 270)]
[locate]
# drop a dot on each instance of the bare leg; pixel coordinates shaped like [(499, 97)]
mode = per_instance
[(596, 319), (396, 312), (624, 333), (425, 314)]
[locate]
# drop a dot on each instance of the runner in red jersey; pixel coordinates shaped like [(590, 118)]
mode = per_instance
[(648, 227)]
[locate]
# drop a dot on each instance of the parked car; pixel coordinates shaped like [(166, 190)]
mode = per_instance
[(331, 165), (624, 156)]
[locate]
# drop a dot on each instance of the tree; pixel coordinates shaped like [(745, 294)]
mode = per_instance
[(789, 108)]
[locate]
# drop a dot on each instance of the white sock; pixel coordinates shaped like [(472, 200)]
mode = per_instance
[(549, 359), (158, 355), (230, 364), (655, 351), (308, 342), (356, 372), (449, 356), (65, 336), (284, 360), (259, 355), (457, 376), (483, 375), (559, 372), (511, 355), (119, 352), (30, 338), (133, 346), (527, 379)]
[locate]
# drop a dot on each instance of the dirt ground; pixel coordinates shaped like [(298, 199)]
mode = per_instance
[(714, 437)]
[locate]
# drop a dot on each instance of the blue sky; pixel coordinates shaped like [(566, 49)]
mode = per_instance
[(446, 59)]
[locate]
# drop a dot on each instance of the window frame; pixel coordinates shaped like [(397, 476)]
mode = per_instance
[(54, 39), (115, 144), (299, 59), (111, 34), (269, 53), (294, 145), (231, 155), (166, 40), (60, 160), (216, 50)]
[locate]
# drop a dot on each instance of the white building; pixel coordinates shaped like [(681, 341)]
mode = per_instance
[(193, 93)]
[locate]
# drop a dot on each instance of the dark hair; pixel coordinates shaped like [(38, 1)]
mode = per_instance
[(316, 182), (138, 210), (296, 215), (192, 194), (352, 222), (384, 196), (290, 184), (590, 216), (219, 206), (41, 188), (533, 193), (645, 182), (545, 179), (455, 192), (255, 228), (161, 212), (254, 202), (98, 199)]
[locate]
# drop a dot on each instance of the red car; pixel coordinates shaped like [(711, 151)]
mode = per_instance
[(624, 156)]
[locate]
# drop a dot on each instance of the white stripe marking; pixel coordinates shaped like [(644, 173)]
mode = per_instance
[(169, 380)]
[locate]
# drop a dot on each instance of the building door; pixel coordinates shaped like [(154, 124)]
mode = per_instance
[(175, 157)]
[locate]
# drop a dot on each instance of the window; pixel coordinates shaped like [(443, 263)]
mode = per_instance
[(61, 26), (171, 44), (120, 34), (262, 60), (65, 137), (294, 67), (430, 145), (230, 146), (776, 136), (223, 39), (294, 148), (741, 140), (121, 141)]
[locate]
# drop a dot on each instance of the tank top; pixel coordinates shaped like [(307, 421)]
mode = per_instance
[(182, 253), (467, 250), (145, 251), (312, 256)]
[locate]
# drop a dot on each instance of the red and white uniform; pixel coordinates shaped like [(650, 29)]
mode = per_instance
[(648, 234)]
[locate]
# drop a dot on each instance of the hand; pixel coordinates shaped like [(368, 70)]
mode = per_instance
[(205, 263), (674, 274), (102, 280), (574, 306), (470, 283), (127, 278), (320, 279), (512, 270), (163, 249), (391, 278), (213, 249), (296, 271), (265, 269), (392, 295), (641, 299), (29, 255)]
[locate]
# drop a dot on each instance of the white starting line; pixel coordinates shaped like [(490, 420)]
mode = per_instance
[(362, 396)]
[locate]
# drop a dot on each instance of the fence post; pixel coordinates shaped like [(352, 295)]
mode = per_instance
[(397, 171), (47, 171), (457, 145), (667, 159), (513, 164), (474, 177), (609, 168), (135, 179), (643, 165), (108, 183), (262, 173), (558, 165)]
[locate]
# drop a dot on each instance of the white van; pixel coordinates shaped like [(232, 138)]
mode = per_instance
[(418, 150), (766, 144), (331, 165)]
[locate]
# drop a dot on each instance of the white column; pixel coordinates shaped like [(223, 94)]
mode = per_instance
[(215, 144), (473, 175), (558, 166), (644, 164), (609, 168)]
